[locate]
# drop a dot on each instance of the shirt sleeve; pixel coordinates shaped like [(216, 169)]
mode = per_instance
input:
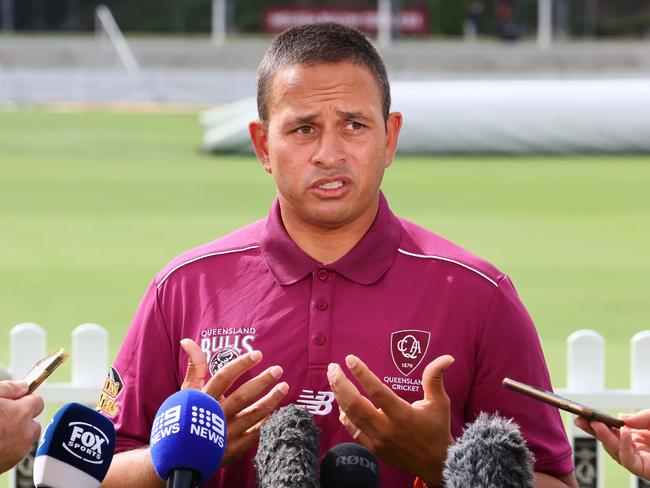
[(145, 369), (510, 347)]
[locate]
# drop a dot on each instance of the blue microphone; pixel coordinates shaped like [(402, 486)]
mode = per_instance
[(188, 439), (76, 449)]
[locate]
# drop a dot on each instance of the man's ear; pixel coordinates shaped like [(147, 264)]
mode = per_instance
[(393, 126), (260, 139)]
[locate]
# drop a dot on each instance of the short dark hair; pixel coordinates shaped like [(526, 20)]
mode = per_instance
[(325, 42)]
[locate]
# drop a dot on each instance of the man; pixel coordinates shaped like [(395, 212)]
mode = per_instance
[(18, 429), (332, 276), (628, 446)]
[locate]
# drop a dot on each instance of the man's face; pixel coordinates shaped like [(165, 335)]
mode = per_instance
[(326, 143)]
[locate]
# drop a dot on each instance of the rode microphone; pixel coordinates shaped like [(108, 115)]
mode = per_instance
[(188, 439), (287, 454), (491, 452), (349, 465), (76, 449)]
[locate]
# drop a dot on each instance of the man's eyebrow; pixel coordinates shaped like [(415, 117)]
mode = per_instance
[(303, 119), (351, 115)]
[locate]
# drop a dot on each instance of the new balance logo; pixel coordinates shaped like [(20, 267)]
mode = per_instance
[(318, 404)]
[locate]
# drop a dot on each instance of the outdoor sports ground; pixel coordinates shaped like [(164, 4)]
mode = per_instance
[(93, 204)]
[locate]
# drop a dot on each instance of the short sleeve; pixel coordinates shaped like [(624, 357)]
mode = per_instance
[(510, 347), (142, 376)]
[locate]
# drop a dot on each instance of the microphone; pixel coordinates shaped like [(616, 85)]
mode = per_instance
[(287, 453), (76, 449), (188, 439), (349, 465), (491, 452)]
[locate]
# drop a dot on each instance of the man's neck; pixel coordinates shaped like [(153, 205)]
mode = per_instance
[(327, 245)]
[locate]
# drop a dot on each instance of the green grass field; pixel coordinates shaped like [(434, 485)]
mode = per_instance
[(93, 204)]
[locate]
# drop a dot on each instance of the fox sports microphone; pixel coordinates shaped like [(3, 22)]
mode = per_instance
[(287, 454), (490, 453), (76, 449), (188, 439), (349, 465)]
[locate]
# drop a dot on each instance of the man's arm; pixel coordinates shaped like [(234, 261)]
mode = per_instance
[(543, 480), (132, 468)]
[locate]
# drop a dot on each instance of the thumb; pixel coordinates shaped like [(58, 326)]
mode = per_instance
[(432, 377), (638, 420), (197, 365), (13, 389)]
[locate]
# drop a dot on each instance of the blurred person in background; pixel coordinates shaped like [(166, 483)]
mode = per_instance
[(18, 429), (630, 445)]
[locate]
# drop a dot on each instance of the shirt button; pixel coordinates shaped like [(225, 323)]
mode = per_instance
[(322, 304), (322, 274), (320, 339)]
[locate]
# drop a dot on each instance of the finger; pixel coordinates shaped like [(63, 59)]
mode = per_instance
[(32, 405), (35, 431), (432, 383), (584, 425), (638, 420), (250, 391), (358, 408), (355, 432), (13, 389), (197, 365), (380, 395), (627, 453), (226, 376), (607, 437), (253, 415)]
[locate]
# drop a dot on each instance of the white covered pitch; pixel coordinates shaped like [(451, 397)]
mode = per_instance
[(491, 116)]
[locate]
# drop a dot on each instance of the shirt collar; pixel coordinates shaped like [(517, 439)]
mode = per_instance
[(365, 263)]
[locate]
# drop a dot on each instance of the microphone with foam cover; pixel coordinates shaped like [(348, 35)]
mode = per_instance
[(287, 454), (490, 453), (76, 449), (188, 439), (349, 465)]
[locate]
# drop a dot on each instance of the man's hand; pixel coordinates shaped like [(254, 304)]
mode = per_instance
[(629, 445), (243, 408), (411, 437), (18, 429)]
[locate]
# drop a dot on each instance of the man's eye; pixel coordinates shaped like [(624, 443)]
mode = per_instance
[(305, 130), (355, 125)]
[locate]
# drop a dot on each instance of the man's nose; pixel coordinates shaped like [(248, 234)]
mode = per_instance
[(330, 149)]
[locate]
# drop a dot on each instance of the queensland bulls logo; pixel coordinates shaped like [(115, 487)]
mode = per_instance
[(408, 348)]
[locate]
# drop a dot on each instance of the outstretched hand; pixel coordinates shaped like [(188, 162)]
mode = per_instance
[(247, 406), (629, 445), (413, 437)]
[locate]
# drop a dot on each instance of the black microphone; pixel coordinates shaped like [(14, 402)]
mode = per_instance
[(349, 465), (490, 453), (287, 454)]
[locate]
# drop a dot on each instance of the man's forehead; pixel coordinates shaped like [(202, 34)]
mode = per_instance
[(296, 86)]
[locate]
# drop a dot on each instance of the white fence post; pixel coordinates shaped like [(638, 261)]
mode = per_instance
[(586, 374), (27, 345), (89, 356)]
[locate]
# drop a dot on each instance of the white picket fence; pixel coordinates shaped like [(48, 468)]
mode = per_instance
[(585, 380)]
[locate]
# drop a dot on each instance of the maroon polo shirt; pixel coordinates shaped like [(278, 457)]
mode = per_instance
[(401, 297)]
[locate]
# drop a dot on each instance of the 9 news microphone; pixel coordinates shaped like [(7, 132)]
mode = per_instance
[(76, 449), (490, 453), (188, 439), (349, 465), (287, 454)]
